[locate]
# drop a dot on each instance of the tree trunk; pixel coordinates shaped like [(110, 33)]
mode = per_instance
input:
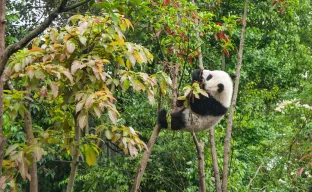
[(2, 46), (215, 161), (201, 163), (75, 156), (232, 108), (30, 142), (175, 73)]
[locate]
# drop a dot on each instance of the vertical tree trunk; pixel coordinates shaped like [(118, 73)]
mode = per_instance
[(75, 156), (200, 145), (30, 142), (2, 46), (215, 160), (232, 108), (175, 73), (201, 163)]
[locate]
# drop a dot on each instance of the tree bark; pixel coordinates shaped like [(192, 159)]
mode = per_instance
[(215, 160), (232, 108), (75, 156), (3, 139), (201, 163), (175, 73), (34, 33), (30, 143)]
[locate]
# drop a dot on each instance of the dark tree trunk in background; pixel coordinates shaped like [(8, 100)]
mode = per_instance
[(2, 47), (232, 108)]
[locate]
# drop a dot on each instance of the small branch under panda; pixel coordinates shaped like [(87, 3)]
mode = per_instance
[(201, 163)]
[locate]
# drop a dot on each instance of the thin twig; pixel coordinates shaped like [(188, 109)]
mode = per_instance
[(251, 180), (232, 108)]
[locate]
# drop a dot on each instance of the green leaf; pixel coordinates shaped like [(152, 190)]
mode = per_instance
[(126, 84), (91, 155), (82, 39), (115, 18)]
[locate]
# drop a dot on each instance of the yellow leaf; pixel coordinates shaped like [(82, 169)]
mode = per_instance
[(121, 61), (129, 24), (67, 37), (120, 41), (34, 49), (138, 57)]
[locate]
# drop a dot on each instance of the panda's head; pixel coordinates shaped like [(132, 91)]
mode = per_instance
[(217, 83)]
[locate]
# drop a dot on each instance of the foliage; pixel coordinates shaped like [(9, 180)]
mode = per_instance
[(87, 73)]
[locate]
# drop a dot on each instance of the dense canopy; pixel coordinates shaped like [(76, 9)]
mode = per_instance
[(83, 82)]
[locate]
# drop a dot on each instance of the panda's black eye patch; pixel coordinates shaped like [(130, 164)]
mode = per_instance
[(220, 87), (209, 77)]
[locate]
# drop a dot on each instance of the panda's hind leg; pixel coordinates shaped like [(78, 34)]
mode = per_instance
[(177, 120), (161, 119)]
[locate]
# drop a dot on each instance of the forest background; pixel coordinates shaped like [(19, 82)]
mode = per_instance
[(80, 98)]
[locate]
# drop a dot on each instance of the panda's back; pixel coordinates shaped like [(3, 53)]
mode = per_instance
[(196, 123)]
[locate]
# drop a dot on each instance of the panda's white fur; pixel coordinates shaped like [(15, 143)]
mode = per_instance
[(205, 112)]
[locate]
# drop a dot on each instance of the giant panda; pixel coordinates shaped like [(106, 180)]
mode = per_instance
[(205, 112)]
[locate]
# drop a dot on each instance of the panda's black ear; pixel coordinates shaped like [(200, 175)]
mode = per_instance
[(196, 75), (233, 76)]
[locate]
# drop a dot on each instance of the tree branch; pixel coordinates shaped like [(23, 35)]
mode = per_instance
[(215, 160), (251, 180), (75, 6), (232, 108), (201, 163), (146, 155)]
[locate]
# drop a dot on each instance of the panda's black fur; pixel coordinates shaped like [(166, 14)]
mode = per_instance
[(204, 112)]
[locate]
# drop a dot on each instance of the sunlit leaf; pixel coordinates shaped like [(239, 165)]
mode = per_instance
[(54, 88), (68, 75), (82, 120), (108, 134), (70, 47), (113, 116), (10, 149), (97, 111), (89, 101), (151, 98), (76, 65)]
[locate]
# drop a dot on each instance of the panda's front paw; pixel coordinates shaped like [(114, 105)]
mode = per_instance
[(162, 119)]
